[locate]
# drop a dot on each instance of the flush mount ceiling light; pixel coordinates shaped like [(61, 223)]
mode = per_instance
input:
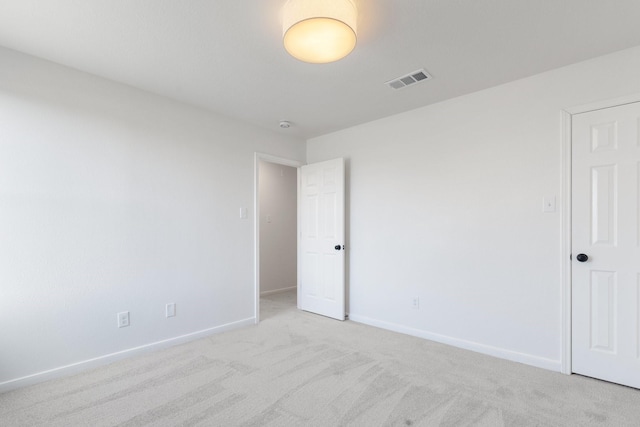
[(319, 31)]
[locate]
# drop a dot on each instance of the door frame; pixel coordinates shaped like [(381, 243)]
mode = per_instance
[(567, 116), (256, 221)]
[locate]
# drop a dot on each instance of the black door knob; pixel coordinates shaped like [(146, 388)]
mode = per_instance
[(337, 247), (582, 257)]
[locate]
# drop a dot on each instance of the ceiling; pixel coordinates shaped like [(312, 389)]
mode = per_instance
[(227, 55)]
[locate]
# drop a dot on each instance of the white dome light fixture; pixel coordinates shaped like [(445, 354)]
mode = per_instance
[(319, 31)]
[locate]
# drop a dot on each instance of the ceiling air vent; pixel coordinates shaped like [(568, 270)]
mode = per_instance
[(410, 79)]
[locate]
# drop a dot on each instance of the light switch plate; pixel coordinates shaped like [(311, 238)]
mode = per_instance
[(243, 213), (549, 204)]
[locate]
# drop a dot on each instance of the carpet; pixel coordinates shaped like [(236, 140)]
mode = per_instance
[(300, 369)]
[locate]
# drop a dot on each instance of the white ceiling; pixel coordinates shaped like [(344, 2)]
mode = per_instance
[(227, 55)]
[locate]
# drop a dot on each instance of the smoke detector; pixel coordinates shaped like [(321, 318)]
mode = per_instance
[(417, 76), (285, 124)]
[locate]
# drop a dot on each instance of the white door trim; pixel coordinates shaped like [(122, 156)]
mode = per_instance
[(607, 103), (567, 115), (256, 220), (566, 243)]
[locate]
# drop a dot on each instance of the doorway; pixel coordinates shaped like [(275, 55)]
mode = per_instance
[(276, 218), (605, 243), (319, 249)]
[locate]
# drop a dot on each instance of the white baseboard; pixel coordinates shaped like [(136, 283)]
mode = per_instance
[(84, 365), (514, 356), (277, 291)]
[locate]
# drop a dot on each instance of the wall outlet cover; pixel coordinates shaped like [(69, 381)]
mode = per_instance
[(123, 319), (171, 309)]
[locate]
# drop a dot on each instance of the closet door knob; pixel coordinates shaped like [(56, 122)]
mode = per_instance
[(582, 257)]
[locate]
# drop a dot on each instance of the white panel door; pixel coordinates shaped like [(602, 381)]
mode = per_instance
[(606, 244), (322, 254)]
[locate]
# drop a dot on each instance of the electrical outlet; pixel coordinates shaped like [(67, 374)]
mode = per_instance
[(415, 303), (123, 319), (171, 309)]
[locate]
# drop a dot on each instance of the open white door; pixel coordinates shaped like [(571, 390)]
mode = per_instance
[(606, 244), (322, 281)]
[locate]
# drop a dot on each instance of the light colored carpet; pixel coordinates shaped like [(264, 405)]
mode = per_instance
[(298, 369)]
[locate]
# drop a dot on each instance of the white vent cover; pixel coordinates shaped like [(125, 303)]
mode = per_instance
[(409, 79)]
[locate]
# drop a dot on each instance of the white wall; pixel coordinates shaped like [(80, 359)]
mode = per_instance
[(278, 225), (446, 205), (113, 199)]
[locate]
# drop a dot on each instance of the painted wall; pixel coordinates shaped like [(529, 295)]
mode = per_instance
[(113, 199), (445, 204), (278, 225)]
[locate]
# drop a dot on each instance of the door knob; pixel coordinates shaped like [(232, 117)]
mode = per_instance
[(582, 257), (337, 247)]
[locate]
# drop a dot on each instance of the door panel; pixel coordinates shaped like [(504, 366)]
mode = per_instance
[(606, 227), (603, 204), (322, 283), (603, 311)]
